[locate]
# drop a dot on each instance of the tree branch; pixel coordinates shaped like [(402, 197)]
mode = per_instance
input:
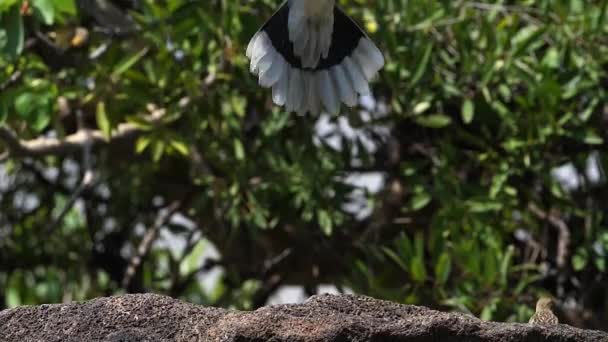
[(86, 180), (557, 222), (146, 243), (71, 144)]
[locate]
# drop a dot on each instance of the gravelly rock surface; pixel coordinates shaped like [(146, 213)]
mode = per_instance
[(149, 317)]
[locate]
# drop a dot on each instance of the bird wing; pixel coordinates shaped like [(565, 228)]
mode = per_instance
[(544, 317)]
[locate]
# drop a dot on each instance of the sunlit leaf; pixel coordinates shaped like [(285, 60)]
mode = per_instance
[(103, 122), (467, 111)]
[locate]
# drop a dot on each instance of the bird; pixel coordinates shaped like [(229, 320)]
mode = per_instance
[(314, 57), (544, 314)]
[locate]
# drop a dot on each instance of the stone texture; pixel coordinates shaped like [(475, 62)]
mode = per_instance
[(149, 317)]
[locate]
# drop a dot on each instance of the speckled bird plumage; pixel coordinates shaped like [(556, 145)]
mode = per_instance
[(544, 314)]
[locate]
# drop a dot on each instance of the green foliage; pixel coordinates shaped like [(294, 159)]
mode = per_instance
[(478, 106)]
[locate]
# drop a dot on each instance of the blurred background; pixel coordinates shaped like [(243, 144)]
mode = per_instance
[(138, 154)]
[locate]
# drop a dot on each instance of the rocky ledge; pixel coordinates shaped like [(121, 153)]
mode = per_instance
[(149, 317)]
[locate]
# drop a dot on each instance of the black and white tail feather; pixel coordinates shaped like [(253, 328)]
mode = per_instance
[(314, 57)]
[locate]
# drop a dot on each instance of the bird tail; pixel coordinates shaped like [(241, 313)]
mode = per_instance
[(340, 76)]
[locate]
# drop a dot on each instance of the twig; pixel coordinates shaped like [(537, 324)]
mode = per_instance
[(146, 243), (272, 263), (12, 79), (87, 177), (563, 240), (30, 166)]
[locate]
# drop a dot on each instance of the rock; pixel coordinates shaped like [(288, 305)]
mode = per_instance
[(149, 317)]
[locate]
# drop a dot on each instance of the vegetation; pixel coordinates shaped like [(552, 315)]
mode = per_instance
[(135, 141)]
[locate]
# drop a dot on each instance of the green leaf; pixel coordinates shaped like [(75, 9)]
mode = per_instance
[(419, 245), (140, 122), (259, 218), (443, 268), (3, 110), (417, 267), (420, 200), (239, 150), (13, 297), (325, 221), (142, 143), (12, 24), (158, 149), (506, 264), (488, 311), (434, 120), (44, 9), (180, 146), (600, 263), (103, 122), (552, 58), (405, 248), (468, 110), (6, 4), (3, 38), (194, 260), (128, 62), (25, 104), (422, 65), (417, 270), (525, 38), (498, 182), (580, 259), (395, 257), (422, 107), (592, 138), (40, 121), (490, 262), (484, 206), (65, 6)]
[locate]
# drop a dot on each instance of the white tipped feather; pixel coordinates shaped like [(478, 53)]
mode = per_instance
[(271, 75), (344, 86), (261, 47), (289, 99), (368, 57), (295, 94), (270, 66), (280, 89), (354, 73), (366, 66), (312, 99), (372, 51), (251, 44), (264, 63), (304, 107), (327, 92)]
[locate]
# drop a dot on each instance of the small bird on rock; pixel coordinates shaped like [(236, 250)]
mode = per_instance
[(314, 57), (544, 314)]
